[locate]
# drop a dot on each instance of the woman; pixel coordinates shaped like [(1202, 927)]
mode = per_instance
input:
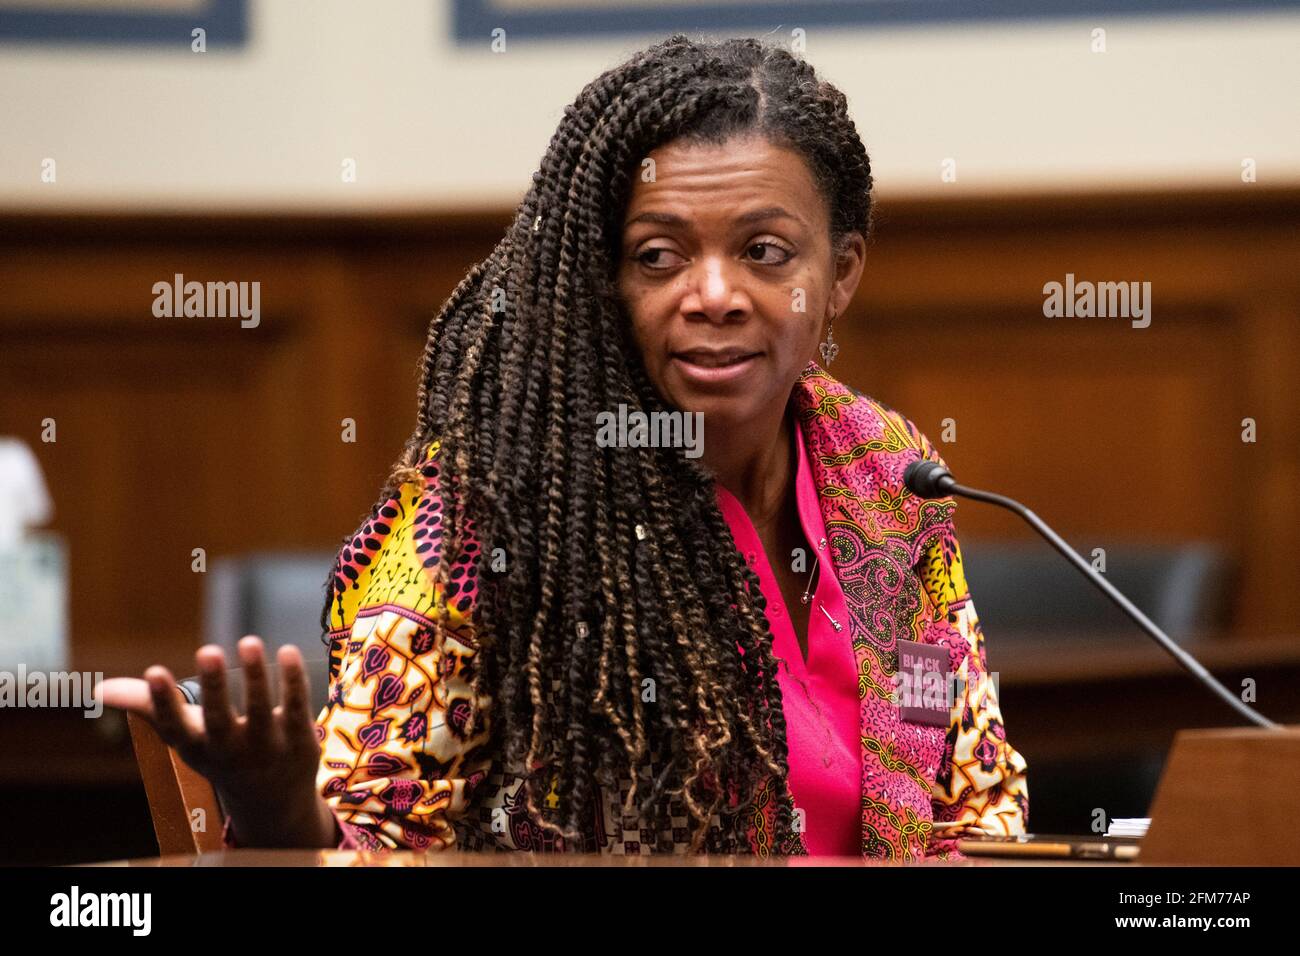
[(688, 654)]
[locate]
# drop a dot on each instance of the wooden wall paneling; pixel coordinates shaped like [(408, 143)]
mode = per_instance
[(995, 363), (235, 431), (1264, 501)]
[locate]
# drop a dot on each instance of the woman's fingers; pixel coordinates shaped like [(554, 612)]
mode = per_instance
[(126, 693), (169, 710), (295, 698), (257, 691), (218, 718)]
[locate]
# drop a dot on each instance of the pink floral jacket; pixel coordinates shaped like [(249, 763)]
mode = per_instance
[(400, 771)]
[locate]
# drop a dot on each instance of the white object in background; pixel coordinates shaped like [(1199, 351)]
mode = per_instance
[(33, 568), (1129, 826), (24, 501)]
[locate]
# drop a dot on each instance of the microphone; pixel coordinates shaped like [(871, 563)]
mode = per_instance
[(929, 479)]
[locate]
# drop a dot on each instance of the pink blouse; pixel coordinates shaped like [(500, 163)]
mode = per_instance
[(820, 696)]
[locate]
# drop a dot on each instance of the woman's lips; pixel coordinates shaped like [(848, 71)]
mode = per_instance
[(711, 369)]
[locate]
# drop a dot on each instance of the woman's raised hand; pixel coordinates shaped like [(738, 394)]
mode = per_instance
[(264, 763)]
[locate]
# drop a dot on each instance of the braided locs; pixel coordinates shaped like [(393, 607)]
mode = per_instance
[(528, 349)]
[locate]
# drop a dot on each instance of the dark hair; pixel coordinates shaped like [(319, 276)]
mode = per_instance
[(530, 346)]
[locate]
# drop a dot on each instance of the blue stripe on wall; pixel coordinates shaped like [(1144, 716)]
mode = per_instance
[(226, 23), (474, 20)]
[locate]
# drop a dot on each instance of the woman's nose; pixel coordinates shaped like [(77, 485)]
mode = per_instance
[(717, 290)]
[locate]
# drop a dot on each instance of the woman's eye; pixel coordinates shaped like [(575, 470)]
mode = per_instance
[(655, 263), (785, 254), (654, 257)]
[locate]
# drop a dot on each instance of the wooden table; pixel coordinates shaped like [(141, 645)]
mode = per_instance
[(408, 858)]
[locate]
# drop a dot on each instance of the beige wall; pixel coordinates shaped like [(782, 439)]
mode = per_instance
[(432, 125)]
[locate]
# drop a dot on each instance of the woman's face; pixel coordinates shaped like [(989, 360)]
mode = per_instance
[(726, 270)]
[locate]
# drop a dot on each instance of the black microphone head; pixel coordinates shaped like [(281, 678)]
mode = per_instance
[(928, 479)]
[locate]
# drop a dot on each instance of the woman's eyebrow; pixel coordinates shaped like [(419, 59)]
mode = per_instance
[(754, 215)]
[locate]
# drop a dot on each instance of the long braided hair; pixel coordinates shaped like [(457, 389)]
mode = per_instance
[(620, 567)]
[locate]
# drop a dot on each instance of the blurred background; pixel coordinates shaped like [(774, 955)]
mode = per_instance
[(174, 480)]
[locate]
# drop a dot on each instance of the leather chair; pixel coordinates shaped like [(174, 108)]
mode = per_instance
[(1026, 591)]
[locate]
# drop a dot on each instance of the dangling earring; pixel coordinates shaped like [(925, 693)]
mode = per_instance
[(829, 348)]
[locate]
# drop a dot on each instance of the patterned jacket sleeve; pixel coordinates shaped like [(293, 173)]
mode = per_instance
[(984, 781), (397, 764)]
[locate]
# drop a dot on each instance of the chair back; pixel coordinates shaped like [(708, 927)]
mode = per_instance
[(1025, 590)]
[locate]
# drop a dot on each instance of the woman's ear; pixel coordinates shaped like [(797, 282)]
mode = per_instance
[(849, 257)]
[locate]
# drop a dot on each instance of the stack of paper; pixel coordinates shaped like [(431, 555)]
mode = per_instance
[(1129, 827)]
